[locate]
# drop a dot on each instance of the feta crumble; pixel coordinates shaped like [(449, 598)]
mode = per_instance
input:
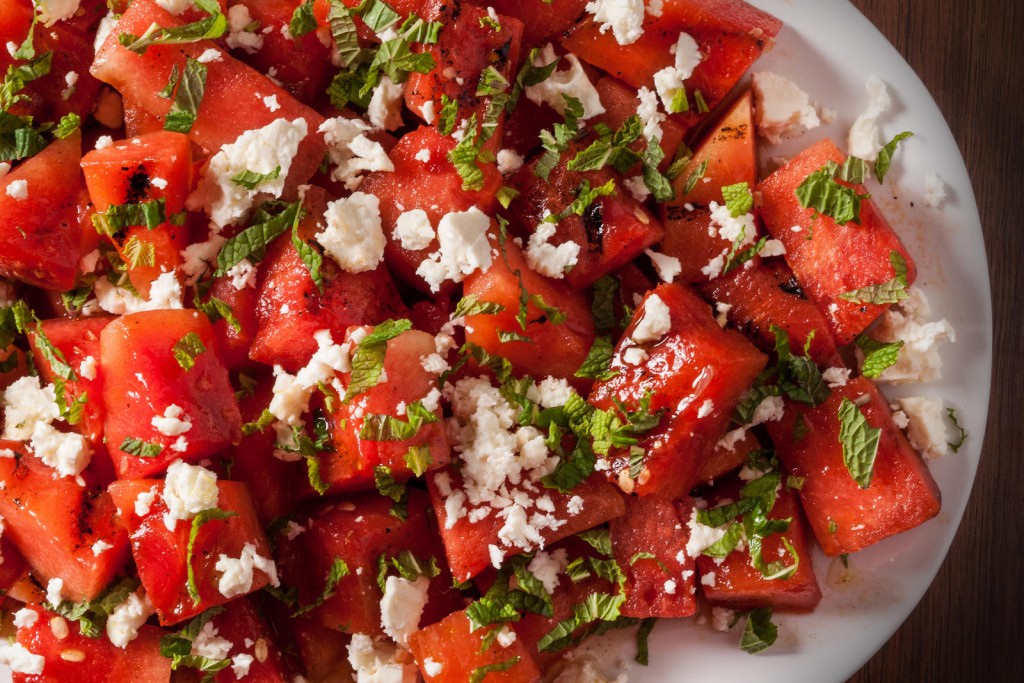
[(354, 237), (188, 490), (918, 359), (934, 190), (413, 230), (572, 81), (926, 425), (378, 662), (464, 248), (865, 139), (625, 18), (655, 322), (18, 189), (546, 258), (351, 152), (668, 267), (402, 606), (670, 81), (781, 108), (124, 622), (174, 421), (237, 573)]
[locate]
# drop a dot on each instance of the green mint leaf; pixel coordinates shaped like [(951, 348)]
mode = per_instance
[(338, 571), (659, 185), (599, 359), (529, 75), (759, 633), (466, 157), (695, 177), (210, 28), (821, 192), (643, 656), (303, 21), (311, 257), (471, 305), (853, 170), (478, 674), (216, 309), (446, 117), (598, 539), (252, 242), (178, 646), (250, 180), (172, 83), (388, 487), (118, 217), (69, 123), (603, 306), (418, 459), (951, 414), (738, 199), (885, 155), (138, 253), (387, 428), (186, 349), (878, 356), (585, 196), (140, 448), (573, 468), (501, 366), (368, 359), (506, 195), (197, 523), (92, 615), (491, 83), (187, 98), (377, 15), (890, 292), (859, 441)]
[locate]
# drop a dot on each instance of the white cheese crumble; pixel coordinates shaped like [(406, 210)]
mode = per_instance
[(239, 19), (402, 606), (413, 230), (209, 644), (144, 501), (865, 140), (668, 267), (836, 377), (292, 392), (100, 547), (20, 660), (354, 237), (934, 190), (54, 591), (637, 188), (385, 109), (240, 664), (174, 421), (18, 189), (547, 566), (29, 411), (625, 18), (548, 259), (648, 112), (655, 323), (572, 81), (188, 490), (87, 368), (701, 536), (781, 108), (508, 161), (464, 248), (175, 7), (25, 618), (351, 152), (237, 573), (926, 425), (669, 81), (209, 55), (261, 150), (126, 619), (431, 667), (164, 293), (706, 408), (378, 662), (52, 11), (918, 359)]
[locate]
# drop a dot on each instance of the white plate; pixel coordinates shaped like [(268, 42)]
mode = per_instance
[(829, 49)]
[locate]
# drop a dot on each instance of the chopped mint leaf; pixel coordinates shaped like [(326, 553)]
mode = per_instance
[(178, 646), (187, 98), (210, 28), (92, 615), (388, 487), (598, 362), (368, 359), (197, 523), (303, 21), (951, 414), (890, 292), (311, 257), (878, 356), (759, 633), (695, 177), (821, 192), (471, 305), (140, 448), (643, 633), (585, 196), (859, 441), (738, 199), (252, 242), (69, 123), (118, 217), (251, 180), (387, 428), (338, 571), (186, 349), (478, 674), (885, 155)]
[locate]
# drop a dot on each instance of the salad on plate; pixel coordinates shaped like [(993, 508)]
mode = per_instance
[(427, 340)]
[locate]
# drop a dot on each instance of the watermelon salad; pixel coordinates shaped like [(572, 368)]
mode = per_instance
[(423, 340)]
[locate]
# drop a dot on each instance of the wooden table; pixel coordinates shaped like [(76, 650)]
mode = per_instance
[(967, 627)]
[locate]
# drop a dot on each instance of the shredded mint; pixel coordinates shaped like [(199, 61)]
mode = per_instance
[(951, 414), (140, 448), (368, 359), (878, 356), (859, 441), (187, 98), (197, 523), (303, 21), (889, 292), (759, 633), (210, 28), (338, 571), (884, 159), (598, 362), (738, 199), (187, 349), (820, 191), (252, 242)]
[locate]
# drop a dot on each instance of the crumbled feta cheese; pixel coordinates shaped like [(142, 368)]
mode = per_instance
[(52, 11), (188, 490), (508, 162), (706, 408), (432, 668), (200, 257), (836, 377), (27, 403), (506, 636), (105, 28), (351, 152), (548, 259), (634, 355), (637, 188), (5, 168), (239, 19), (237, 574), (649, 115), (464, 248), (144, 501), (781, 108), (402, 606), (243, 275), (385, 109), (770, 409), (209, 644), (655, 322), (292, 392), (20, 660), (164, 293), (546, 566), (865, 140), (54, 588), (100, 547), (18, 189), (173, 422), (124, 622), (413, 230), (670, 587), (574, 506), (701, 536), (572, 81), (769, 249), (261, 150), (354, 237), (176, 7), (668, 267), (625, 18), (919, 359), (496, 554), (899, 418), (427, 112), (553, 392), (926, 428), (87, 368), (240, 664), (210, 55), (67, 453), (669, 81), (708, 579), (25, 618), (722, 618), (934, 190), (378, 662)]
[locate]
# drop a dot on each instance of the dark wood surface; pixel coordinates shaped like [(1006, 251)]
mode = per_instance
[(969, 53)]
